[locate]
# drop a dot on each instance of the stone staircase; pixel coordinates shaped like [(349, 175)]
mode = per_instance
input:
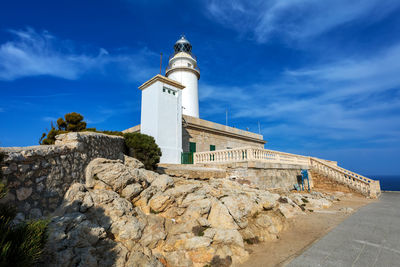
[(321, 182), (327, 174)]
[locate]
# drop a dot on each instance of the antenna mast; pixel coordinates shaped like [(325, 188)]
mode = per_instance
[(160, 62)]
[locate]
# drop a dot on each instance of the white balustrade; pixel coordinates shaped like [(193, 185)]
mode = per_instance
[(356, 181), (249, 153)]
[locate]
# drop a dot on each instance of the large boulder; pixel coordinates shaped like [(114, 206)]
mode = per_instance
[(219, 217), (239, 207), (162, 182), (108, 173)]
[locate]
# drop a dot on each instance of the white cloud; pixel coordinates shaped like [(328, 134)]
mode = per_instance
[(355, 100), (295, 19), (49, 119), (33, 54)]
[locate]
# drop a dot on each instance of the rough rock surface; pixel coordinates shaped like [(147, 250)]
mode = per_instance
[(127, 216), (39, 176)]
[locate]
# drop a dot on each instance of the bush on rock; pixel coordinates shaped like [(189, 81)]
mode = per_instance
[(73, 123), (144, 148)]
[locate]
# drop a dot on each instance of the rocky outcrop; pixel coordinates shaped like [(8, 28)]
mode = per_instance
[(124, 215), (39, 176)]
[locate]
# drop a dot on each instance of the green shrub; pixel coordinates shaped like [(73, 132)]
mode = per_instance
[(73, 123), (22, 244), (144, 148)]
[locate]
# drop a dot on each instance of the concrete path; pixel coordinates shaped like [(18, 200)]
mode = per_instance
[(370, 237)]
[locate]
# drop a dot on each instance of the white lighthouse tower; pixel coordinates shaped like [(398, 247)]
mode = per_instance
[(182, 67)]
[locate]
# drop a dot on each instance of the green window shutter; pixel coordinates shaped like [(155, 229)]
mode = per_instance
[(212, 147), (192, 147)]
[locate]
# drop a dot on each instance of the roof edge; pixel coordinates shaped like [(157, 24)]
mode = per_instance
[(162, 79)]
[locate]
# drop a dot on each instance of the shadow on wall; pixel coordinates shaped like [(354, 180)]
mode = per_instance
[(79, 237), (185, 140)]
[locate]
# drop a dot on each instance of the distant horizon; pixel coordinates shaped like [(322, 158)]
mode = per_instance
[(320, 78)]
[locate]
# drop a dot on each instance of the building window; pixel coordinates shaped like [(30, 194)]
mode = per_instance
[(192, 147), (212, 147)]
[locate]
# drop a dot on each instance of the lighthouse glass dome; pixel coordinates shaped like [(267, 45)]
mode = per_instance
[(183, 45)]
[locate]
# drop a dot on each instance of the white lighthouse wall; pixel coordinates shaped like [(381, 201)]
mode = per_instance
[(190, 94), (149, 111), (162, 118)]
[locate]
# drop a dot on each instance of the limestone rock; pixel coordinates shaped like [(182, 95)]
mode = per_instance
[(202, 256), (196, 209), (162, 182), (154, 231), (197, 242), (129, 216), (288, 211), (139, 259), (133, 163), (228, 236), (86, 203), (178, 258), (239, 207), (346, 210), (127, 229), (159, 202), (73, 199), (113, 173), (23, 193), (146, 175), (131, 191), (320, 203), (219, 217), (192, 198), (268, 200)]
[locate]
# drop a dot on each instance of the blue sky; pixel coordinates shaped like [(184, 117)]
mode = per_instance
[(321, 77)]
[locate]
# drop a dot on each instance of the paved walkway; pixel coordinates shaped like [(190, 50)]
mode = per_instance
[(370, 237)]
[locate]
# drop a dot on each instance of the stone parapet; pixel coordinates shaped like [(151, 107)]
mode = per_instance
[(191, 171), (263, 175), (38, 176)]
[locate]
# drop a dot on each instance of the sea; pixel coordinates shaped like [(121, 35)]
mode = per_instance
[(388, 182)]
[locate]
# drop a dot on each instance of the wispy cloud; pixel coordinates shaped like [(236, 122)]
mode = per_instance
[(49, 119), (33, 53), (295, 19), (353, 100)]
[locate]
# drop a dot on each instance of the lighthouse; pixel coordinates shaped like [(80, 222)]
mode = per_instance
[(182, 67), (170, 113)]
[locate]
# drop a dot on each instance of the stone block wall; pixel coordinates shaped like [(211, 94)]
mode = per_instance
[(204, 139), (38, 176), (263, 175)]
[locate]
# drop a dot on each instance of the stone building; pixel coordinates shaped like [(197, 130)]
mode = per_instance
[(170, 113)]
